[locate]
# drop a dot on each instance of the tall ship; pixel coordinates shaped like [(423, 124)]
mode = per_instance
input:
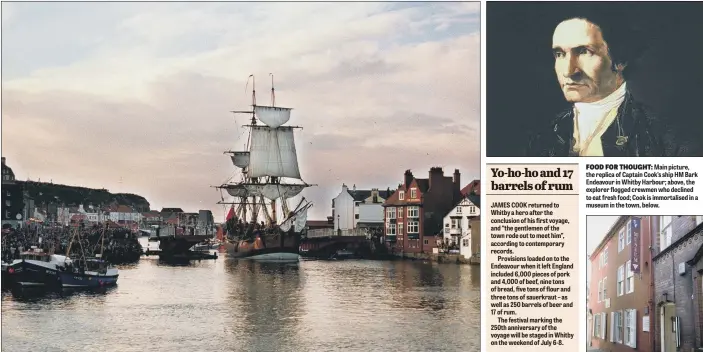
[(261, 224)]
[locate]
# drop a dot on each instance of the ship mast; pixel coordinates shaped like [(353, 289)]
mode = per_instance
[(273, 179), (270, 156)]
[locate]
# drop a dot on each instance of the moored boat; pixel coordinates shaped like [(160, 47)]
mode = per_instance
[(89, 273), (36, 268), (85, 271)]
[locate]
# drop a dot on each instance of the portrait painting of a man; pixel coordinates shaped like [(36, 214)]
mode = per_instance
[(595, 49)]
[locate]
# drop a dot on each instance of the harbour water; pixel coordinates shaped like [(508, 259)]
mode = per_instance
[(231, 305)]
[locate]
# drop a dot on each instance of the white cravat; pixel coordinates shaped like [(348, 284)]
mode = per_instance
[(590, 115)]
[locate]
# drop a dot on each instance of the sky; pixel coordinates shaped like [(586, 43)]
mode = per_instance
[(135, 97)]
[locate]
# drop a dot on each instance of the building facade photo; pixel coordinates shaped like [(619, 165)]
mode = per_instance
[(646, 285), (619, 302)]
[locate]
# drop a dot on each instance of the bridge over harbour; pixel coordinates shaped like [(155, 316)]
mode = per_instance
[(323, 243)]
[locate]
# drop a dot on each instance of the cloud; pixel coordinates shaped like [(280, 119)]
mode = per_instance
[(375, 93)]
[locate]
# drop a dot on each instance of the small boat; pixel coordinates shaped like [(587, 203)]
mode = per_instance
[(35, 268), (207, 245), (342, 254), (89, 273)]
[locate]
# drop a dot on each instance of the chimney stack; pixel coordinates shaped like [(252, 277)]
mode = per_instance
[(436, 174), (408, 178), (457, 184)]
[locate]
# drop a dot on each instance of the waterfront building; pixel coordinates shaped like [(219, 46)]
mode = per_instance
[(414, 213), (462, 228), (124, 214), (13, 206), (678, 286), (621, 276), (92, 214), (205, 219), (357, 208)]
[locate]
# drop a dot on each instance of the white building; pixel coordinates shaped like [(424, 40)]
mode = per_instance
[(121, 213), (93, 214), (462, 227), (353, 208)]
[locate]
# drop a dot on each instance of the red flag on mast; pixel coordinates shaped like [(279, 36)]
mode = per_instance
[(230, 214)]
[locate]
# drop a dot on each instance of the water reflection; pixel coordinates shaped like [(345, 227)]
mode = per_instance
[(239, 305), (263, 305)]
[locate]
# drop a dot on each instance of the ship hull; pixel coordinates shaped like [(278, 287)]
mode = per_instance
[(273, 248), (75, 280), (33, 273)]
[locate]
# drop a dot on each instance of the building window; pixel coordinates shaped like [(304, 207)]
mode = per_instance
[(631, 327), (413, 212), (621, 280), (458, 209), (629, 232), (465, 242), (618, 326), (600, 290), (426, 242), (605, 292), (413, 227), (356, 216), (621, 240), (413, 193), (665, 231), (472, 210), (596, 325), (400, 228), (630, 279), (390, 212), (454, 223), (400, 212), (401, 195), (356, 204), (391, 230)]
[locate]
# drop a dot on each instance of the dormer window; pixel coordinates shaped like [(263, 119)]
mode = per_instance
[(413, 193), (401, 195)]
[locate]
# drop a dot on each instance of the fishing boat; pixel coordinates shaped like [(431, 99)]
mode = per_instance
[(84, 271), (269, 178), (35, 267)]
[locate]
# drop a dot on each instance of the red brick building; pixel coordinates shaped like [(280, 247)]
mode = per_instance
[(413, 214), (620, 288)]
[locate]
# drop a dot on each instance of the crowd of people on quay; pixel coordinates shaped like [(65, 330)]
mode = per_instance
[(238, 229), (120, 245)]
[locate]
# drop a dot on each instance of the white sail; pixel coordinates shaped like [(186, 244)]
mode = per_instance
[(240, 159), (285, 191), (272, 153), (254, 189), (272, 116), (237, 190), (297, 221), (301, 219), (285, 226)]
